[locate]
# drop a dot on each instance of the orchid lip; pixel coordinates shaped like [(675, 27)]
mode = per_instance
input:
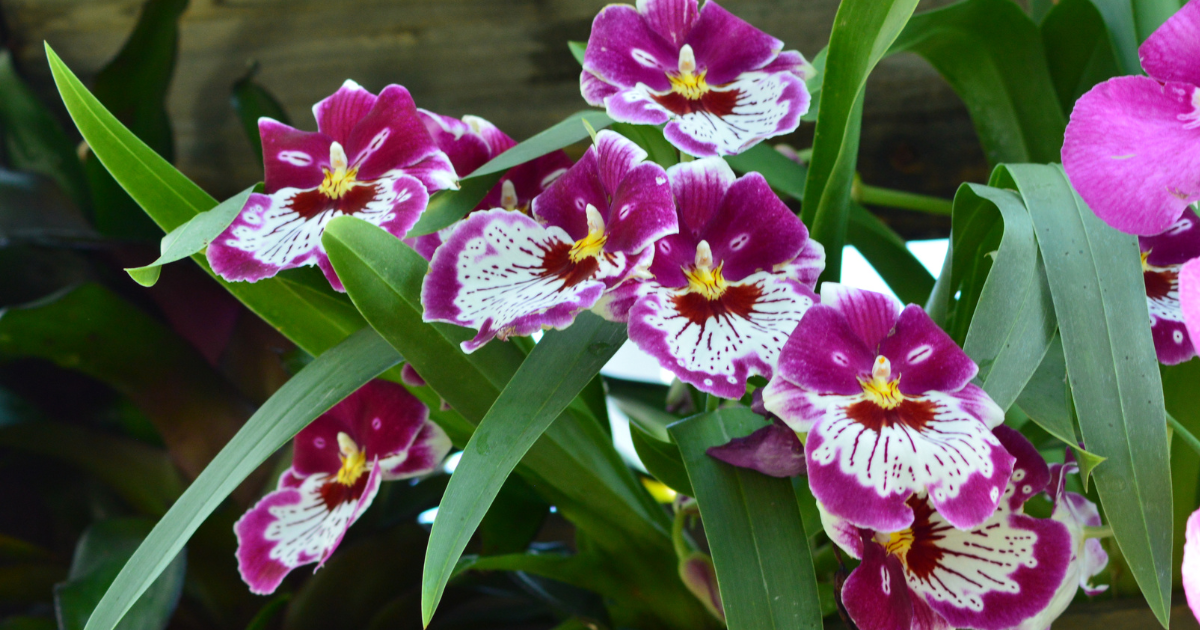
[(881, 389), (342, 178), (354, 460), (592, 245), (703, 278)]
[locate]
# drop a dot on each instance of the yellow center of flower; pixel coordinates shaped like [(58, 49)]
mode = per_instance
[(341, 178), (354, 461), (687, 82), (898, 543), (592, 244), (881, 389), (704, 278), (1145, 265)]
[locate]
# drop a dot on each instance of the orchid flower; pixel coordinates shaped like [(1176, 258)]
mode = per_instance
[(720, 85), (472, 142), (885, 399), (933, 576), (774, 450), (1191, 564), (371, 158), (504, 273), (729, 288), (379, 433), (1163, 256)]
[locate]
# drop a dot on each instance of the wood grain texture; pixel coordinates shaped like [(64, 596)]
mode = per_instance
[(505, 60)]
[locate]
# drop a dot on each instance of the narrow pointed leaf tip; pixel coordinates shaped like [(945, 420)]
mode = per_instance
[(192, 237)]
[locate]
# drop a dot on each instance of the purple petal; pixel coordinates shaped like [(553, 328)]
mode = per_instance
[(793, 404), (504, 274), (624, 50), (528, 181), (642, 211), (728, 46), (1191, 563), (753, 230), (265, 238), (924, 356), (466, 149), (424, 455), (843, 533), (792, 61), (1172, 53), (565, 202), (924, 617), (672, 19), (1132, 151), (1189, 296), (718, 348), (864, 470), (410, 377), (699, 188), (871, 315), (1164, 256), (636, 105), (338, 113), (807, 266), (292, 158), (1172, 343), (825, 355), (297, 526), (616, 156), (596, 91), (382, 418), (1176, 245), (773, 450), (393, 136), (764, 106), (700, 577), (616, 303), (875, 594), (497, 141), (1030, 474)]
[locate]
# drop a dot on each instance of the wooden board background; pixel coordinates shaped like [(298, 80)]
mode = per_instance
[(505, 60)]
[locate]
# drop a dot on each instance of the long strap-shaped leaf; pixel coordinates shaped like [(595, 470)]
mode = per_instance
[(754, 530), (862, 32), (328, 379), (300, 303), (1130, 22), (555, 372), (1096, 281)]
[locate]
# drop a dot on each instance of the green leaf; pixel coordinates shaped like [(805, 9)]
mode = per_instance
[(134, 87), (555, 372), (1078, 52), (662, 460), (252, 101), (513, 520), (754, 529), (448, 206), (889, 256), (564, 133), (578, 49), (99, 556), (299, 303), (33, 139), (1046, 399), (780, 172), (1013, 324), (192, 237), (990, 52), (1130, 22), (142, 475), (1096, 280), (1179, 392), (329, 378), (651, 139), (863, 30)]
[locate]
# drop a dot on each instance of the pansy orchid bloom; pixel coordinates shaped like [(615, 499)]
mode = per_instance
[(933, 576), (379, 433), (729, 288), (1163, 257), (371, 158), (504, 273), (720, 85), (1191, 563), (885, 399), (472, 142)]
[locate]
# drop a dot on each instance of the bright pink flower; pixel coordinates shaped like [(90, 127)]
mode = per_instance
[(379, 433), (1191, 564), (371, 158), (720, 85)]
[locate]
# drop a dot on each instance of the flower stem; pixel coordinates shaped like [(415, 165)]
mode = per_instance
[(876, 196), (1184, 433), (711, 403), (1104, 531)]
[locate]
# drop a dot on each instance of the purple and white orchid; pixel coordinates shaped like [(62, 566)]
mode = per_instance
[(472, 142), (729, 288), (504, 273), (379, 433), (997, 575), (371, 158), (1163, 256), (885, 399), (720, 85)]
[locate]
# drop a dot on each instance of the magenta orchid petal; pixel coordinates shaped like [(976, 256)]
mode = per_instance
[(1132, 151), (292, 158), (338, 113), (466, 149), (807, 266), (1030, 474), (393, 135), (824, 355), (925, 357), (720, 84), (1172, 53), (875, 595), (1163, 256), (504, 274), (615, 304), (870, 315), (565, 202), (616, 156), (1191, 563), (753, 230), (773, 450), (422, 456), (410, 377), (1189, 296), (791, 403), (293, 527), (699, 188)]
